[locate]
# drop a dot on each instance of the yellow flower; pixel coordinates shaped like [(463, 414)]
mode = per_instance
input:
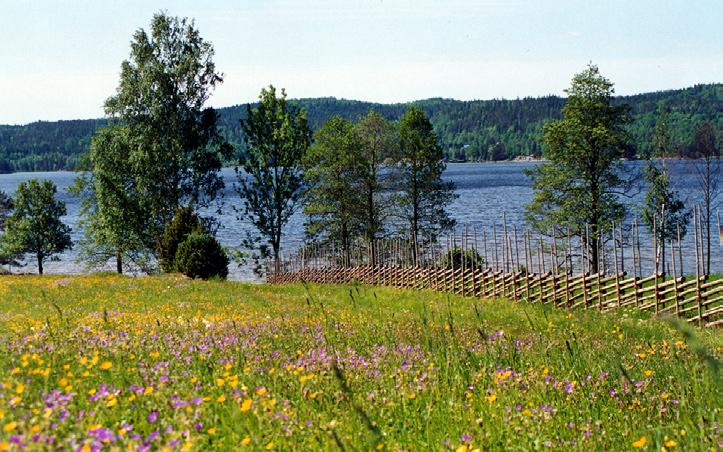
[(20, 388), (246, 441), (10, 426), (106, 365), (221, 399), (640, 443), (211, 430), (85, 448), (111, 403), (491, 398), (4, 445), (671, 443), (270, 446), (220, 382), (246, 405), (412, 395), (148, 390), (462, 448), (648, 373), (261, 391)]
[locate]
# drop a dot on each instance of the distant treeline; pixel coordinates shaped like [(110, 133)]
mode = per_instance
[(467, 130)]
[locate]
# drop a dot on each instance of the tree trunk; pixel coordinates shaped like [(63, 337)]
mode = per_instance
[(119, 262), (40, 264)]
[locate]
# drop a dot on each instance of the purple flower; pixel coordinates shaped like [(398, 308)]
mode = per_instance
[(465, 438), (152, 417)]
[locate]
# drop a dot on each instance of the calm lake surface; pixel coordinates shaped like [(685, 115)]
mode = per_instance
[(486, 190)]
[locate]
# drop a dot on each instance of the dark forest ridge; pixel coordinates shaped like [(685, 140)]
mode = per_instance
[(494, 129)]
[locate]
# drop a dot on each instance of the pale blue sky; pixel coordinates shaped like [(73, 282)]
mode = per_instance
[(60, 59)]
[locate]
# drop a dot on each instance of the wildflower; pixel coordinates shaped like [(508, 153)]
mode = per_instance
[(270, 446), (670, 443), (152, 417), (648, 373), (640, 443), (246, 441), (211, 430), (220, 382), (261, 391), (10, 426), (106, 365), (20, 388), (148, 390), (491, 398), (246, 405), (221, 399)]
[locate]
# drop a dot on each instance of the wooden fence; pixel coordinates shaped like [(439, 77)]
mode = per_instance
[(553, 270)]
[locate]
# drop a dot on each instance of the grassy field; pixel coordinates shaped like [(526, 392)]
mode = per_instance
[(163, 362)]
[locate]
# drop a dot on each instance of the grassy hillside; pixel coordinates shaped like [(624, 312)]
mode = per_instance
[(163, 361), (468, 130)]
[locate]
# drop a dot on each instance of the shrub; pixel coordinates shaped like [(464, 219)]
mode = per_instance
[(201, 256), (184, 223)]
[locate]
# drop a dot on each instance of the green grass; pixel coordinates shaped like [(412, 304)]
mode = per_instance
[(164, 361)]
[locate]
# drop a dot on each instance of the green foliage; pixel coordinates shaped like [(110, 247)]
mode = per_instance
[(334, 170), (379, 143), (467, 130), (201, 256), (423, 195), (35, 226), (176, 150), (270, 178), (6, 206), (579, 185), (185, 222), (456, 256), (113, 210)]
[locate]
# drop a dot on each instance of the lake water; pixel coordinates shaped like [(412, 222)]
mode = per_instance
[(486, 190)]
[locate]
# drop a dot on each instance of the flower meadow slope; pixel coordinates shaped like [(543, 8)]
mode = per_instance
[(109, 363)]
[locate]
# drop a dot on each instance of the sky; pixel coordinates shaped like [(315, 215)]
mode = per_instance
[(61, 59)]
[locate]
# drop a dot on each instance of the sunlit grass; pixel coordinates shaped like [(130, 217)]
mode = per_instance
[(108, 361)]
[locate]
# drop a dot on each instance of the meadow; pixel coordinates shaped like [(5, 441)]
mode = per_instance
[(109, 362)]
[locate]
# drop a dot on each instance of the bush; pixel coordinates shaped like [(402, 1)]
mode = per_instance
[(185, 222), (201, 256), (455, 255)]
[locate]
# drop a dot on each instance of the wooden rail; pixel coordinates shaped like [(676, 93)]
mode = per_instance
[(697, 300)]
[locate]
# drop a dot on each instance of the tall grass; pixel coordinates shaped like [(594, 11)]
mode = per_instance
[(107, 361)]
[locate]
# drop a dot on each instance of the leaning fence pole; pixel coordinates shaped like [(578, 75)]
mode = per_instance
[(617, 272), (494, 240), (655, 260), (680, 254), (697, 268), (527, 263), (476, 263), (675, 277)]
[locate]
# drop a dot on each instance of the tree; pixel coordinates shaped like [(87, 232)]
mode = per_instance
[(270, 181), (706, 149), (661, 143), (175, 151), (6, 206), (579, 186), (424, 196), (379, 141), (35, 225), (334, 172), (114, 217), (497, 152), (663, 212), (184, 223)]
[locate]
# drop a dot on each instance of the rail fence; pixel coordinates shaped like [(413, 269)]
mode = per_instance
[(568, 272)]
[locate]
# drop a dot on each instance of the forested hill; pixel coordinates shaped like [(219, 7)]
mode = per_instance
[(468, 130)]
